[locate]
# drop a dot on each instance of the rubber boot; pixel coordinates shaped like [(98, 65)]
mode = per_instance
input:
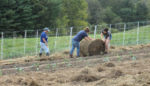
[(71, 56), (40, 54), (47, 54)]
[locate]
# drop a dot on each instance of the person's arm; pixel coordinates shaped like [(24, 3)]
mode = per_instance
[(102, 37), (44, 41), (108, 38), (88, 38)]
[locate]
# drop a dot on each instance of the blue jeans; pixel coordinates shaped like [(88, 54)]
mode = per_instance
[(75, 44), (44, 48)]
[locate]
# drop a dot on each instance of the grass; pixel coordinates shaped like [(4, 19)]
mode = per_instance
[(131, 37), (13, 48)]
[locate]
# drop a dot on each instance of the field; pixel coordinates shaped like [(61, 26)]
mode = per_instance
[(123, 66), (121, 60), (14, 48)]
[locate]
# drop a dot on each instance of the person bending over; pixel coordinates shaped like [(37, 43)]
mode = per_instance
[(83, 34), (106, 37)]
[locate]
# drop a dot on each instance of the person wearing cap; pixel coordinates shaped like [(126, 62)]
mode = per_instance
[(106, 37), (83, 34), (44, 42)]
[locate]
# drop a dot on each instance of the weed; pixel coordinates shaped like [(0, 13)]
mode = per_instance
[(106, 59)]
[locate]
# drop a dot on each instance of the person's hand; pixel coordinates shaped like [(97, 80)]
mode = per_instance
[(103, 40), (92, 39), (46, 45)]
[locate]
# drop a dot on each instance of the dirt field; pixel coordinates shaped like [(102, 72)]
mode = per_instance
[(123, 66)]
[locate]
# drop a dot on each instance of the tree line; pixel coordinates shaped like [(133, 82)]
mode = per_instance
[(20, 15)]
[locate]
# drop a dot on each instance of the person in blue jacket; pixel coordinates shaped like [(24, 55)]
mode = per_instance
[(106, 37), (44, 42), (83, 34)]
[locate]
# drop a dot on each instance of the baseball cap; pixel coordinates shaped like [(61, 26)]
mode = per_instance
[(46, 29)]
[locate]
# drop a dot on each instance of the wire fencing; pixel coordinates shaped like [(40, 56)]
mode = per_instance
[(27, 43)]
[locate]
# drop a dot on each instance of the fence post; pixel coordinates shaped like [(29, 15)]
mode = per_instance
[(56, 38), (70, 37), (2, 42), (124, 34), (25, 35), (95, 31), (138, 28), (14, 39), (37, 35)]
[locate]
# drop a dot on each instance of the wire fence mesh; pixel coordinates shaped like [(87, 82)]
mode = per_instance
[(27, 43)]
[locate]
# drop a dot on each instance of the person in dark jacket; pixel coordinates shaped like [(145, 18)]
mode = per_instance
[(106, 37)]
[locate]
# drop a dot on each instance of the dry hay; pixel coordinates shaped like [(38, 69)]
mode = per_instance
[(61, 78), (109, 64), (116, 73), (27, 82), (91, 47), (86, 71), (55, 56), (124, 85), (100, 69), (127, 48), (60, 55), (112, 47), (85, 78), (13, 80), (85, 75), (101, 82), (65, 54)]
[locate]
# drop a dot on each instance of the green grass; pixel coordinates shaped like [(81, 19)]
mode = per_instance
[(13, 48), (131, 37)]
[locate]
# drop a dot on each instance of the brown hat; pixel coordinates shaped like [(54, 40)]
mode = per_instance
[(87, 29)]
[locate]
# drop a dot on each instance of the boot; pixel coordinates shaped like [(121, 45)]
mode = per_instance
[(77, 56), (40, 54), (71, 56), (47, 54), (106, 52)]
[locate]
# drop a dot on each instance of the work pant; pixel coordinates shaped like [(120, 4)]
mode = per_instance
[(75, 44), (44, 48)]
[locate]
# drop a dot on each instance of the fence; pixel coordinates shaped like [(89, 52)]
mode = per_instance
[(26, 43)]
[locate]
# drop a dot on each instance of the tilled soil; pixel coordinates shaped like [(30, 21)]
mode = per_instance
[(121, 67)]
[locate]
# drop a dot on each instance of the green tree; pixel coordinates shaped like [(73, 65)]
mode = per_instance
[(16, 15), (8, 15), (76, 11), (110, 17), (94, 11), (141, 11)]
